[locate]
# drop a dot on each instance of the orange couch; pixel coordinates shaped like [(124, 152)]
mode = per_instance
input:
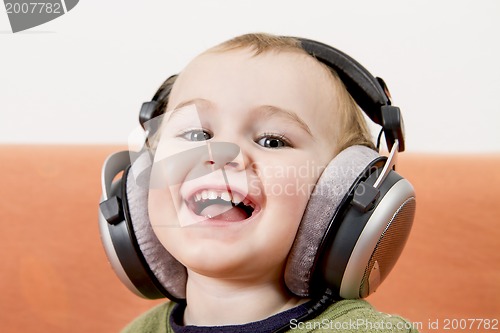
[(54, 276)]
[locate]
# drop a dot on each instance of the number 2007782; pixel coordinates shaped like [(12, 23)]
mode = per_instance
[(33, 7)]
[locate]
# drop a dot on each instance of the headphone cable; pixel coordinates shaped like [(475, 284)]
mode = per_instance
[(323, 302), (378, 138)]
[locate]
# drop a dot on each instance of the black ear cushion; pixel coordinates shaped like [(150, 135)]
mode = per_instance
[(330, 190), (170, 273)]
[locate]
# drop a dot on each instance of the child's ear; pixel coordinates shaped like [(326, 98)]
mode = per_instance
[(351, 233)]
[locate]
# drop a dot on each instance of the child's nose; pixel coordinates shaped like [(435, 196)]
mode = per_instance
[(195, 163), (223, 154)]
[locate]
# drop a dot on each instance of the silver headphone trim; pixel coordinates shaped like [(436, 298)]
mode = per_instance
[(113, 165), (389, 164), (113, 257), (399, 193)]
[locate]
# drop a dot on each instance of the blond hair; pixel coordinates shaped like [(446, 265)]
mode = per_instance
[(353, 127)]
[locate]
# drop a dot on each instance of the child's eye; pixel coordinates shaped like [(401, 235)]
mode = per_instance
[(196, 135), (273, 141)]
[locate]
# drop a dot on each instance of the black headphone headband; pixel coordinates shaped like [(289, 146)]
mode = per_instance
[(363, 87), (370, 93)]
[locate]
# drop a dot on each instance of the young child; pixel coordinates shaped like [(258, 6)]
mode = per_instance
[(269, 118)]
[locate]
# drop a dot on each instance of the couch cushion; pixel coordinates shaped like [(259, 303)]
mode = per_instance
[(54, 275)]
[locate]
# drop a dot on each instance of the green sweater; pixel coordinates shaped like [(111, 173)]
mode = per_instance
[(343, 316)]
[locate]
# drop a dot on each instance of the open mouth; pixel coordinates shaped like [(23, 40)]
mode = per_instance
[(222, 205)]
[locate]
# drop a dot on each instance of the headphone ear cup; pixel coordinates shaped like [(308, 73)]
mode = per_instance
[(357, 257), (342, 247), (330, 191), (135, 253), (169, 272)]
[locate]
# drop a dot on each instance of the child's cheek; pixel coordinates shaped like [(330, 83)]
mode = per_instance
[(161, 208), (164, 218), (289, 182)]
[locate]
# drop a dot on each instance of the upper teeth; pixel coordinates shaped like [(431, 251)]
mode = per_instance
[(234, 197)]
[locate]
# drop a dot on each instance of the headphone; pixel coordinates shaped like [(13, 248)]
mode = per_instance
[(353, 230)]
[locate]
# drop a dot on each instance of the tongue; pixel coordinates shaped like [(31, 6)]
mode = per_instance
[(224, 212)]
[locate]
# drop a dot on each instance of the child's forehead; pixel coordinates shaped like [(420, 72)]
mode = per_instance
[(274, 75), (280, 65), (241, 80)]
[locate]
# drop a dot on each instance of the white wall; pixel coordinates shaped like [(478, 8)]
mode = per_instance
[(82, 77)]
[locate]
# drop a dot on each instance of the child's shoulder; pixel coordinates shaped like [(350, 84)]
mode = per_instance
[(153, 321), (353, 316)]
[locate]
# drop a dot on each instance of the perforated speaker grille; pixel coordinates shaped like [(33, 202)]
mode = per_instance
[(389, 247)]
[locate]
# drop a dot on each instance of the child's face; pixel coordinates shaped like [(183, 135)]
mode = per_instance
[(279, 109)]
